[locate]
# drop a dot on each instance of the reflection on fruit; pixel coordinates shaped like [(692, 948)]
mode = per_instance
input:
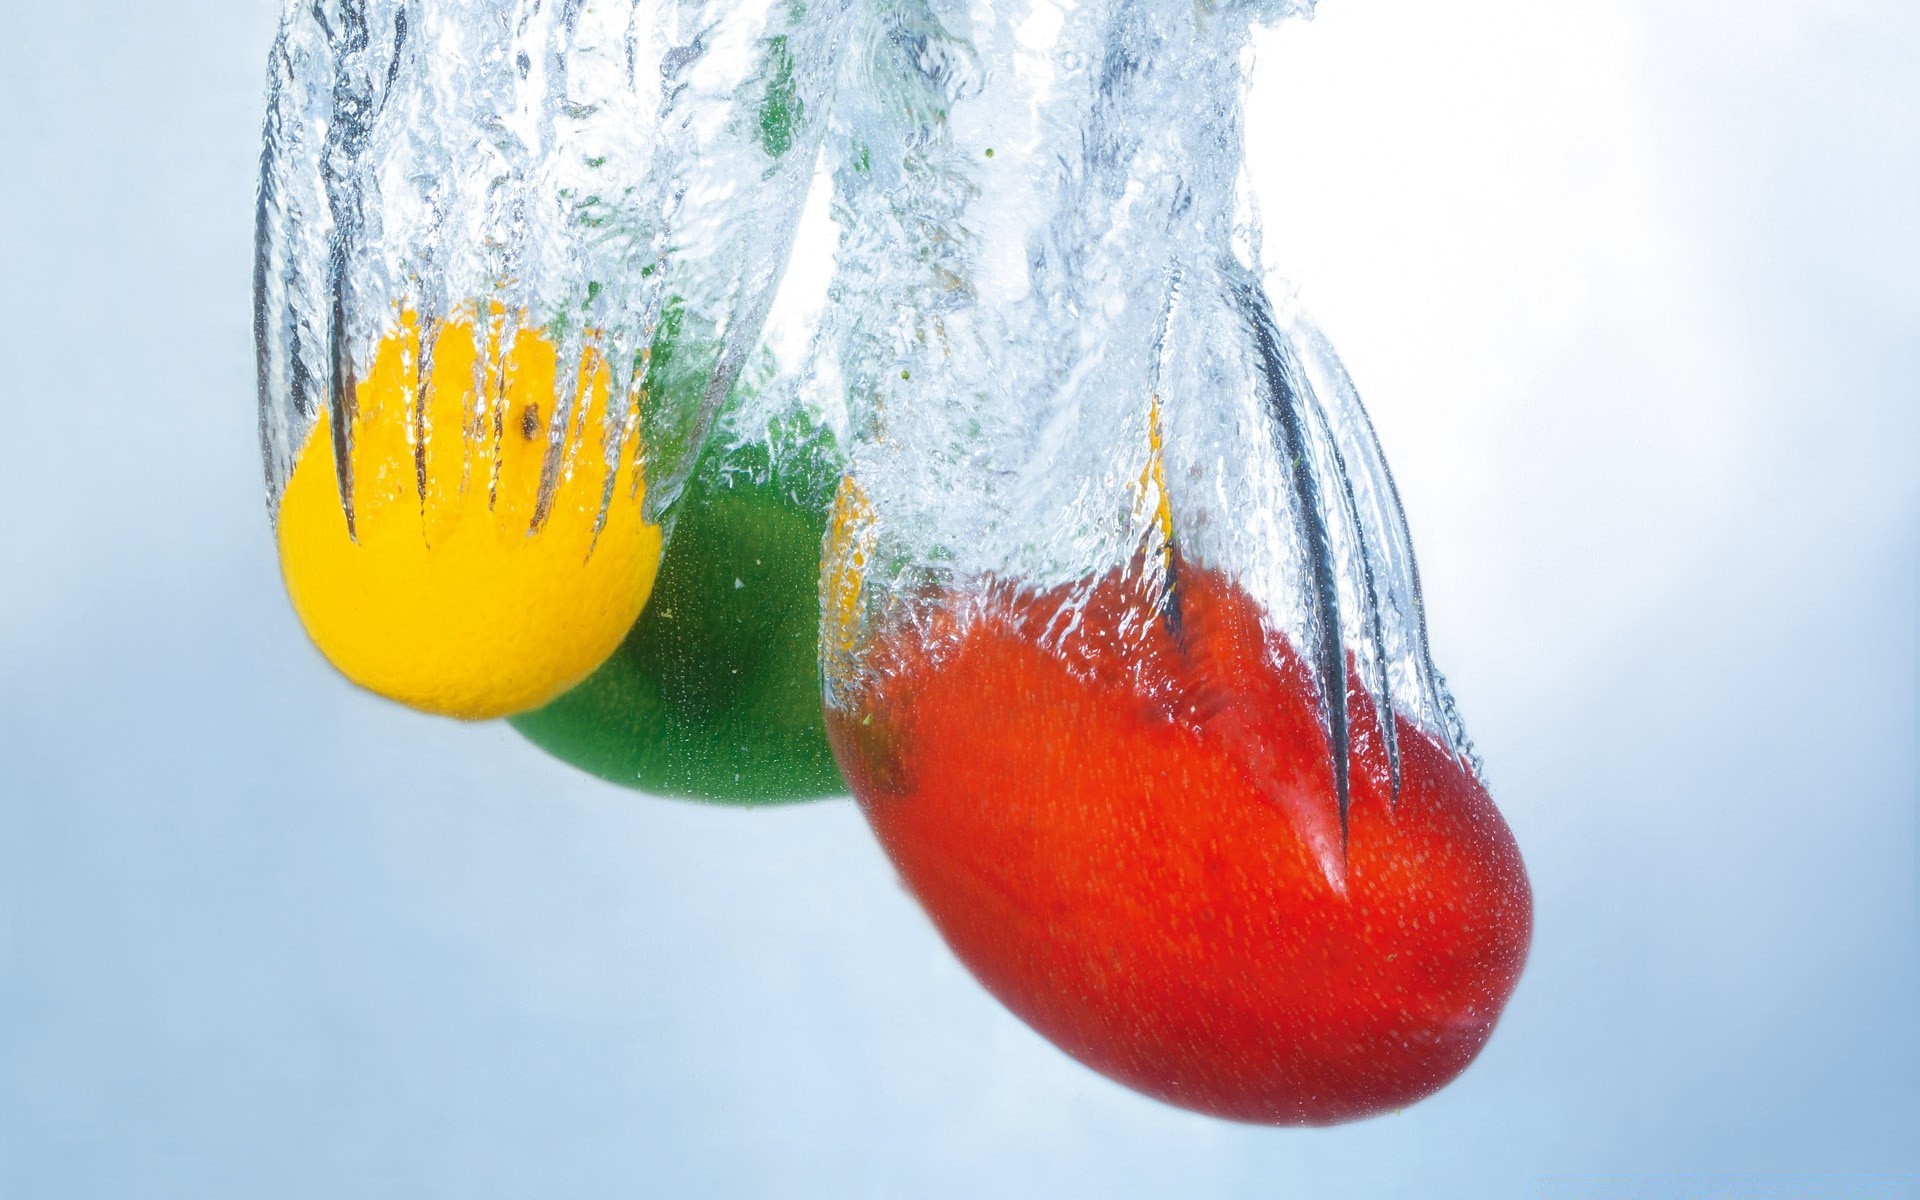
[(442, 581), (1113, 824)]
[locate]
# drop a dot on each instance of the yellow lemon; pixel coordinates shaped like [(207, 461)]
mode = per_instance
[(435, 574), (851, 536)]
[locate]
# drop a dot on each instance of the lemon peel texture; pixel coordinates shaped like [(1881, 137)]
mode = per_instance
[(436, 573)]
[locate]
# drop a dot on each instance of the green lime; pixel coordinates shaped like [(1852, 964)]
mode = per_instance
[(715, 694)]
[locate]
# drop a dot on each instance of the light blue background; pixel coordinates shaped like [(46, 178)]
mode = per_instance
[(1637, 302)]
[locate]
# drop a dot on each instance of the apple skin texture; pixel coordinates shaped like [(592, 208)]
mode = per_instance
[(715, 693), (1127, 848)]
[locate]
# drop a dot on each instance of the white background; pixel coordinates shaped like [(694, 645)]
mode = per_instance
[(1633, 290)]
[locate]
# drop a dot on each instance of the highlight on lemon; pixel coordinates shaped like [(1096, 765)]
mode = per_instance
[(471, 553)]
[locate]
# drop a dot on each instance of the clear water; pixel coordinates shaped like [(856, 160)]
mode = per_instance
[(622, 175), (1059, 358)]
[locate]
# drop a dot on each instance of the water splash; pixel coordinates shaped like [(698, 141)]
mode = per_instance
[(1048, 306), (621, 179)]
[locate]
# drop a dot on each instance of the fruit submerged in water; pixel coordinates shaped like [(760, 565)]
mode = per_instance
[(449, 588), (715, 695), (1120, 826)]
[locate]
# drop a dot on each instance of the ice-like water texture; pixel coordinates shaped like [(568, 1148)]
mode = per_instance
[(621, 176), (1059, 358)]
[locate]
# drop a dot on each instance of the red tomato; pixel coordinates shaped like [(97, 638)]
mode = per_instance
[(1127, 830)]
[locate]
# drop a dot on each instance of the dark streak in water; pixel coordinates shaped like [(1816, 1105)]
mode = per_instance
[(1325, 655)]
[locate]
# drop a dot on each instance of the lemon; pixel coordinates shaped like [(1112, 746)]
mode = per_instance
[(433, 574)]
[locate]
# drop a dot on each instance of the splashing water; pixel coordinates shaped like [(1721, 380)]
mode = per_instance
[(510, 259), (1122, 637)]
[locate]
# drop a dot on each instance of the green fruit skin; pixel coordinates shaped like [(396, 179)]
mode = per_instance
[(715, 694)]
